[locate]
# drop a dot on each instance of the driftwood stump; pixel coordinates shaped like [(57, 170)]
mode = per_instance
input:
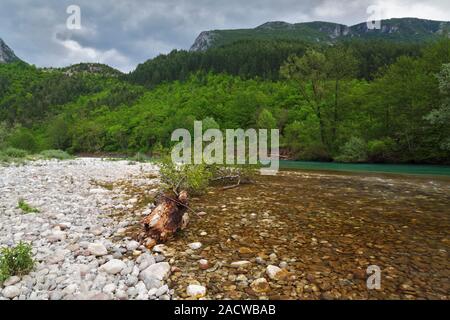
[(168, 217)]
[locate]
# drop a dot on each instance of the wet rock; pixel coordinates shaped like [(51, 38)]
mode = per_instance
[(260, 285), (195, 245), (276, 273), (196, 291), (241, 264), (203, 264), (241, 278), (359, 274)]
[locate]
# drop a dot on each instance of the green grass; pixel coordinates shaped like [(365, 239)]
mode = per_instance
[(56, 154), (25, 207), (16, 261), (18, 156)]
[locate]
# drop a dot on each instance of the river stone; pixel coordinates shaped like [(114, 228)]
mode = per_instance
[(57, 257), (203, 264), (196, 291), (195, 245), (276, 273), (113, 266), (11, 292), (155, 274), (240, 264), (260, 285), (162, 290), (121, 295), (11, 281), (272, 271), (97, 249), (109, 288), (56, 236), (132, 245)]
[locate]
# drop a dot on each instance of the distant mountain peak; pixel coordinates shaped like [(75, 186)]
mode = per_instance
[(275, 25), (396, 29), (6, 54)]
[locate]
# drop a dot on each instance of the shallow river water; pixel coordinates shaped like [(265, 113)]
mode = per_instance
[(325, 229)]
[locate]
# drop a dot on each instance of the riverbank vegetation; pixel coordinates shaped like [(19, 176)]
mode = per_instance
[(353, 102), (15, 261)]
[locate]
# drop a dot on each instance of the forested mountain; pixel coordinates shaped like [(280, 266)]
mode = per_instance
[(404, 29), (354, 101), (91, 68), (262, 58), (6, 54)]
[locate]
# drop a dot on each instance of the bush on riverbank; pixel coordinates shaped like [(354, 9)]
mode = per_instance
[(56, 154), (15, 261), (355, 150), (192, 178)]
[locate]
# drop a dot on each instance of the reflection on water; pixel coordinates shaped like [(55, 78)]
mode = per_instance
[(430, 170), (325, 229)]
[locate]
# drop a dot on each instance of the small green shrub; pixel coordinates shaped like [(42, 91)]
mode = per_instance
[(355, 150), (25, 207), (3, 157), (381, 150), (315, 152), (4, 134), (23, 138), (192, 178), (15, 153), (15, 261), (56, 154)]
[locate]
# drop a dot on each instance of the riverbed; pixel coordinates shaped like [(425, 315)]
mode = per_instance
[(325, 229)]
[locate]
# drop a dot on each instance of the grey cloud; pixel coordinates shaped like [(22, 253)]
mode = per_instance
[(125, 33)]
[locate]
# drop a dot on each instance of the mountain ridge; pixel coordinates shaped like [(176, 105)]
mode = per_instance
[(7, 55), (396, 29)]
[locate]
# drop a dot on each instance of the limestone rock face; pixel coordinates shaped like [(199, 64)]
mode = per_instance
[(6, 54), (203, 41)]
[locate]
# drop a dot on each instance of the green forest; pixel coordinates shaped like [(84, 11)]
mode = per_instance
[(356, 101)]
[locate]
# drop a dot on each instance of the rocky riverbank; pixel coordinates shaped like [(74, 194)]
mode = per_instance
[(79, 235)]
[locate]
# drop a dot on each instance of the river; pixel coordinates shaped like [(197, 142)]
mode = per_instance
[(325, 228)]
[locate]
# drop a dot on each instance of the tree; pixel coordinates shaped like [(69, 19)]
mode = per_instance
[(342, 65), (58, 134), (355, 150), (266, 120), (310, 72), (440, 118)]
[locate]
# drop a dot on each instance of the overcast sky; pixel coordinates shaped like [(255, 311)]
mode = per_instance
[(123, 33)]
